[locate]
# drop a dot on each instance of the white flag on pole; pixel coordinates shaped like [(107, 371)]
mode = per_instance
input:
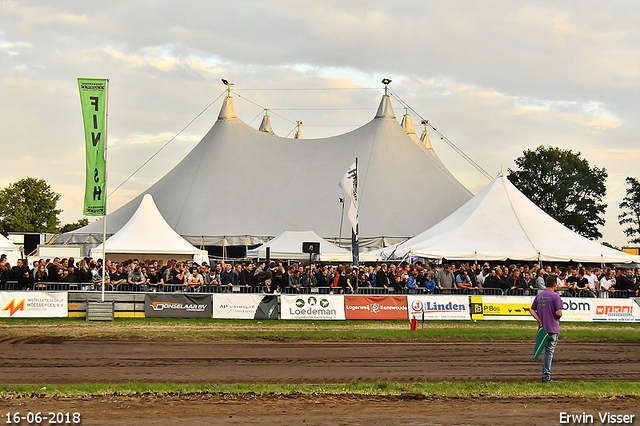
[(350, 185)]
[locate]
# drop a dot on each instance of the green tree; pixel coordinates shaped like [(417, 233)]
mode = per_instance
[(563, 184), (29, 205), (631, 214), (75, 225)]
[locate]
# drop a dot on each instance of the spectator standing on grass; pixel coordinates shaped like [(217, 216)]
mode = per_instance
[(547, 310)]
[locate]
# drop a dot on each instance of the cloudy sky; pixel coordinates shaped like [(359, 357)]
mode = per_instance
[(494, 77)]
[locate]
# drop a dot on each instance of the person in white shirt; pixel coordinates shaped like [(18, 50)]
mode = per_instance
[(592, 279), (607, 284)]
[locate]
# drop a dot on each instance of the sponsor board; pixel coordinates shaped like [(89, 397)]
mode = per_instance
[(245, 306), (577, 309), (376, 307), (312, 307), (501, 307), (159, 305), (439, 307), (615, 310), (33, 304)]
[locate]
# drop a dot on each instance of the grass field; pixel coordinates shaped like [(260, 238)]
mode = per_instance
[(443, 389), (157, 328)]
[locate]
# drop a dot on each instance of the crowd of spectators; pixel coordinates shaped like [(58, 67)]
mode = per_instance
[(405, 278)]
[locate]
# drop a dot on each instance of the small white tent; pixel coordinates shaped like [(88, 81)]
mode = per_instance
[(11, 250), (148, 235), (288, 245), (501, 223)]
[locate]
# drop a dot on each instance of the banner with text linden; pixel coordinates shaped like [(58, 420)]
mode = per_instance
[(312, 307), (439, 307), (93, 98)]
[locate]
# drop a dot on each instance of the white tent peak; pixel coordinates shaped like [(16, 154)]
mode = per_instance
[(424, 137), (227, 111), (407, 124), (147, 232), (501, 223), (385, 110), (265, 125)]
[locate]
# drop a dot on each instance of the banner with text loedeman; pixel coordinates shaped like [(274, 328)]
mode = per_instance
[(312, 307), (93, 98)]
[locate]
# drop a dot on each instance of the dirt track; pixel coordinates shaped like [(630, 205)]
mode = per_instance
[(311, 362), (307, 362)]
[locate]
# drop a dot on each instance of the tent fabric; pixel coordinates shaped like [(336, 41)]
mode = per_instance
[(239, 181), (147, 233), (11, 250), (501, 223), (288, 245)]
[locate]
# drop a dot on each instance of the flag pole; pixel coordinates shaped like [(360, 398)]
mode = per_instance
[(355, 249), (104, 218)]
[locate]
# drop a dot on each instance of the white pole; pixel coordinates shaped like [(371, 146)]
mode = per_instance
[(104, 218)]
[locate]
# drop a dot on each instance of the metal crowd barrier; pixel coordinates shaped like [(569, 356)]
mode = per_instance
[(173, 288)]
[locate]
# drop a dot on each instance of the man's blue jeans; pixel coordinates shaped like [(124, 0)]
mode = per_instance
[(549, 348)]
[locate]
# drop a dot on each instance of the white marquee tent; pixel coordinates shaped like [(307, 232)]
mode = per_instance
[(288, 245), (148, 236), (11, 250), (502, 223)]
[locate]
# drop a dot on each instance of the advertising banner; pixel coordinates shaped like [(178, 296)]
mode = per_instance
[(312, 307), (501, 307), (626, 310), (93, 98), (245, 306), (33, 304), (376, 307), (615, 310), (578, 309), (439, 307), (179, 305)]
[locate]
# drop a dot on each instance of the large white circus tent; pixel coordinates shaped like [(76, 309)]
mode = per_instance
[(242, 186), (148, 236), (501, 223)]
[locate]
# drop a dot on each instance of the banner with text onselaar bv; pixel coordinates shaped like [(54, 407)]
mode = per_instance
[(93, 98)]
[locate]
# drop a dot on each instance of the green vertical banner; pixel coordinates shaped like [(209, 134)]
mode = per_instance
[(93, 97)]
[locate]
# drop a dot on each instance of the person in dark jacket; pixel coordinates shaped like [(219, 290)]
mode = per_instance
[(382, 279)]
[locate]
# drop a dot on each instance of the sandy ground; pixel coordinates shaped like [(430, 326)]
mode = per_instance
[(72, 361)]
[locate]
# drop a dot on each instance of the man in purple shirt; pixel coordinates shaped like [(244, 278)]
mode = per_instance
[(547, 310)]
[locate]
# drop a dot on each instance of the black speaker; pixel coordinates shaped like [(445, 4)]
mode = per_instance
[(310, 247)]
